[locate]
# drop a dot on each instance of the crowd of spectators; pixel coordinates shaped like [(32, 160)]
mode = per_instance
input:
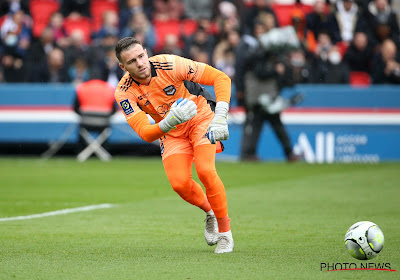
[(75, 41)]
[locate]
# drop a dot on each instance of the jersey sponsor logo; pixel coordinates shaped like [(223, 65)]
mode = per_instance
[(169, 90), (163, 110), (126, 106)]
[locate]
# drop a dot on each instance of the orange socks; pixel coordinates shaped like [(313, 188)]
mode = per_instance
[(215, 190), (223, 224)]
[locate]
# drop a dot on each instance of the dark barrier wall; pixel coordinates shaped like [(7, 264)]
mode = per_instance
[(332, 124)]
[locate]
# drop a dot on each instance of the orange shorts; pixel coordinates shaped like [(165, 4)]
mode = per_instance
[(188, 135)]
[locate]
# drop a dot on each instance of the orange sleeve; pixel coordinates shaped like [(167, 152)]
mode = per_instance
[(220, 81), (202, 73), (141, 125), (136, 118)]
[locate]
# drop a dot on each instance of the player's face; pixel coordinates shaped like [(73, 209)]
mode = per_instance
[(136, 62)]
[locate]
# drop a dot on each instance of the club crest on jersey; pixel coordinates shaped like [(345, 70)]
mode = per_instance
[(169, 90), (126, 106)]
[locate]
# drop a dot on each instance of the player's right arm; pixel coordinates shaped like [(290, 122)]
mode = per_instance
[(138, 120), (181, 111)]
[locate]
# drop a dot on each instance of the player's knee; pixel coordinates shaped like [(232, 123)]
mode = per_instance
[(180, 184), (206, 174)]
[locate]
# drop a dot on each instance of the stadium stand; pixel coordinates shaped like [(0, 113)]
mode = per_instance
[(80, 23), (41, 11), (97, 9), (284, 12), (360, 79), (163, 28)]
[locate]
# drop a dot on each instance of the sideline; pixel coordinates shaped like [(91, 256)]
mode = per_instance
[(58, 212)]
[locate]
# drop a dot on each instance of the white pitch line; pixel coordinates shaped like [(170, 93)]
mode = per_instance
[(58, 212)]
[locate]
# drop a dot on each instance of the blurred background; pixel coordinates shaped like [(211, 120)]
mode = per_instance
[(312, 80)]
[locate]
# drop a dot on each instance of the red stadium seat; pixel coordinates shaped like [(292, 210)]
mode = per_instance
[(360, 79), (97, 8), (81, 23), (2, 19), (188, 26), (41, 11), (284, 12), (163, 28)]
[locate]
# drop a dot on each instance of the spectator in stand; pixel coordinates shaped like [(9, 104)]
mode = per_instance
[(227, 18), (141, 26), (306, 37), (13, 66), (171, 45), (240, 6), (208, 25), (79, 72), (167, 10), (324, 44), (39, 50), (200, 40), (345, 21), (329, 69), (298, 69), (42, 47), (359, 55), (197, 9), (317, 20), (11, 6), (386, 65), (16, 32), (226, 62), (77, 47), (363, 4), (224, 53), (102, 64), (326, 65), (268, 20), (53, 70), (56, 25), (113, 73), (252, 14), (109, 25), (201, 56), (81, 7), (382, 22), (130, 9)]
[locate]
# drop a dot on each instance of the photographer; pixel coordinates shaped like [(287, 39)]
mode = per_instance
[(260, 74)]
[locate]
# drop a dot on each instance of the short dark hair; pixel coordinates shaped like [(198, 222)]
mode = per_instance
[(125, 44)]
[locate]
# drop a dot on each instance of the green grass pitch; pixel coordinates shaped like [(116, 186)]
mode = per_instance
[(286, 219)]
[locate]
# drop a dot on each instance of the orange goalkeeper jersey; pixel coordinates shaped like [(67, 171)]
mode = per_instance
[(173, 77)]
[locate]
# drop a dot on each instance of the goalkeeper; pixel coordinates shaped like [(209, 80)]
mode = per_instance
[(166, 87)]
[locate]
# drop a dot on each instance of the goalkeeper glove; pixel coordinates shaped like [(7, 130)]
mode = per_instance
[(181, 111), (218, 129)]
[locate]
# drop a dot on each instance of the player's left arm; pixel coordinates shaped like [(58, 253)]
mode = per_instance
[(218, 128), (204, 74)]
